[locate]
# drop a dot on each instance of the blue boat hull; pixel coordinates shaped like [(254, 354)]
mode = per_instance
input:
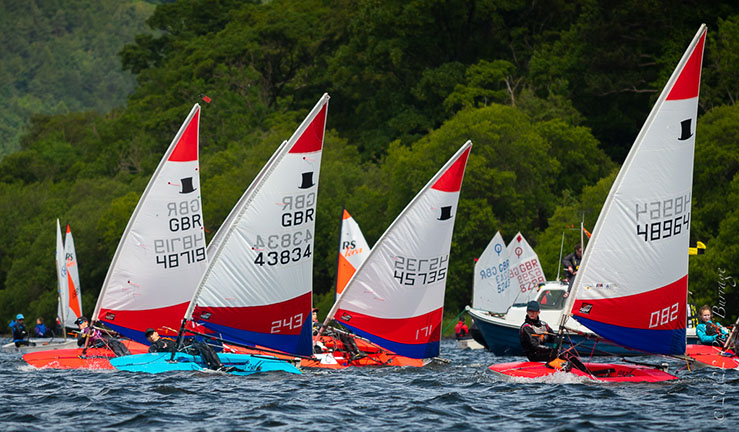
[(237, 364)]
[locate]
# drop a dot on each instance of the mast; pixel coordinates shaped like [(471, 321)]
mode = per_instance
[(60, 280)]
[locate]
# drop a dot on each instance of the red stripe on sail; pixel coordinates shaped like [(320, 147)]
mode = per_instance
[(413, 330), (451, 180), (659, 309), (687, 83), (311, 139), (186, 149), (140, 320), (285, 318)]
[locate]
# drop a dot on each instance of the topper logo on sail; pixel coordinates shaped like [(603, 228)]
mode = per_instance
[(446, 213), (686, 130)]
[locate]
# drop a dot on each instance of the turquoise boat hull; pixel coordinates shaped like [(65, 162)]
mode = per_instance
[(237, 364)]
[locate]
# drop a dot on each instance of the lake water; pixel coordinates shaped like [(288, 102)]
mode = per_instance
[(460, 396)]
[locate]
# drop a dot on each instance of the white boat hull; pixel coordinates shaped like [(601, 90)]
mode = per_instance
[(40, 344)]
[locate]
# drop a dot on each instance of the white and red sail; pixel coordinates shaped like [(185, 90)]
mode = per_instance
[(525, 271), (396, 297), (257, 289), (353, 250), (162, 253), (633, 281), (73, 297), (491, 280)]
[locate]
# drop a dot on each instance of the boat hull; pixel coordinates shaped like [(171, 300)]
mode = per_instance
[(40, 345), (469, 343), (93, 358), (336, 355), (604, 372), (711, 356), (502, 339), (239, 364)]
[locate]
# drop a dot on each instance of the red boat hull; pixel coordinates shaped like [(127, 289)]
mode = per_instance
[(94, 358), (607, 372), (710, 356), (337, 356)]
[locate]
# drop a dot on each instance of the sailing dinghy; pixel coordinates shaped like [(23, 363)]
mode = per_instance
[(70, 298), (159, 259), (257, 289), (632, 286), (394, 301), (353, 250)]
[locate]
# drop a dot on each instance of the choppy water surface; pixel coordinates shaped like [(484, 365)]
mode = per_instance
[(462, 395)]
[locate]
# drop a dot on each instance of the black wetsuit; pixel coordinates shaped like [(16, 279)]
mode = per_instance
[(162, 345), (573, 261), (20, 335), (534, 334)]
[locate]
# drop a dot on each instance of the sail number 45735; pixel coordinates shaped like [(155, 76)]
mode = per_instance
[(663, 316)]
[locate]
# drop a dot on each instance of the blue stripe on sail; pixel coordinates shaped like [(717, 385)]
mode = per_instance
[(134, 335), (651, 341), (416, 351), (301, 344)]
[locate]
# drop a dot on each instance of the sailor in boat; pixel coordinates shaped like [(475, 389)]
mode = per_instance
[(461, 330), (92, 337), (158, 344), (710, 332), (571, 263), (40, 331), (20, 334), (195, 348), (535, 334)]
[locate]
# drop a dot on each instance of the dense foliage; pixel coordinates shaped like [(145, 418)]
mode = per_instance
[(552, 94), (59, 57)]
